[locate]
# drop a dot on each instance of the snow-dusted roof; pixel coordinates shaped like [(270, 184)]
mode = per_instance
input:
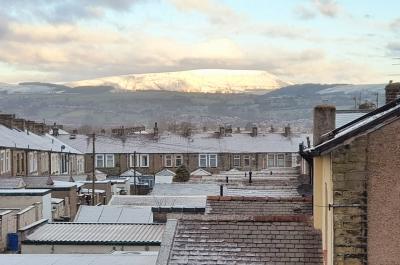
[(165, 173), (14, 138), (114, 214), (344, 117), (131, 173), (197, 143), (200, 172)]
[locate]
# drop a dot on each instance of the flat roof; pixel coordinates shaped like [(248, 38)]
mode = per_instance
[(135, 258), (24, 192)]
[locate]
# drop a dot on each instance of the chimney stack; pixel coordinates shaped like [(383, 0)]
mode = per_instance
[(55, 130), (7, 120), (20, 124), (392, 91), (324, 122), (155, 132), (254, 131), (287, 131), (221, 131)]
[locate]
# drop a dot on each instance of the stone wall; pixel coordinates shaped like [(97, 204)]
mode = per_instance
[(349, 166)]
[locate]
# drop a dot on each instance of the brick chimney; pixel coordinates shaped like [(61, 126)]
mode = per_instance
[(221, 131), (55, 130), (287, 131), (7, 120), (30, 126), (40, 128), (254, 131), (155, 130), (324, 122), (392, 91)]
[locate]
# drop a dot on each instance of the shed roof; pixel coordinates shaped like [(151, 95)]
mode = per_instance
[(96, 233), (197, 143)]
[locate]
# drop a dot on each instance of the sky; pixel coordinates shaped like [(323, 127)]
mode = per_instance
[(300, 41)]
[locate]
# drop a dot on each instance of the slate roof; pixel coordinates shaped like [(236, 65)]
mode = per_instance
[(114, 214), (14, 138), (248, 240), (96, 233), (367, 123), (239, 205), (11, 183), (140, 258), (197, 143), (24, 192), (43, 182), (345, 116)]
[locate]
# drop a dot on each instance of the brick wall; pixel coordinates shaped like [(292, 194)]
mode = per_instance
[(238, 205), (349, 166)]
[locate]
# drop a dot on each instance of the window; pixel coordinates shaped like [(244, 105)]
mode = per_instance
[(99, 160), (202, 160), (271, 160), (44, 162), (208, 160), (32, 160), (143, 160), (2, 161), (80, 162), (246, 160), (64, 163), (8, 160), (236, 160), (281, 160), (109, 160), (168, 161), (178, 160), (212, 160)]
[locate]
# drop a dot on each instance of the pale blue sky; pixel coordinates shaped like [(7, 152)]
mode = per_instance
[(325, 41)]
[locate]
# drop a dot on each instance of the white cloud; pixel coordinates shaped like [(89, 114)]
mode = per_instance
[(329, 8)]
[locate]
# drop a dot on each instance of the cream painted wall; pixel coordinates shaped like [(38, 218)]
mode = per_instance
[(323, 196)]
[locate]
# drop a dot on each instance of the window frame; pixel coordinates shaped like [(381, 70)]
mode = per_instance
[(107, 160), (203, 157), (168, 158), (101, 156), (216, 160), (178, 158), (236, 158), (270, 157), (280, 158), (246, 158), (2, 161)]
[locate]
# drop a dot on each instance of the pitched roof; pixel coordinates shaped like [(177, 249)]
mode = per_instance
[(246, 240), (43, 182), (11, 183), (367, 123), (197, 143), (131, 173), (114, 214), (96, 233), (15, 138), (345, 116), (165, 173), (200, 172)]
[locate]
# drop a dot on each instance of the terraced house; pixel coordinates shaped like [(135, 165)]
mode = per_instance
[(27, 149), (356, 183), (213, 151)]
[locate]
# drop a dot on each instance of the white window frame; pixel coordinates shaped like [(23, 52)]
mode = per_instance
[(141, 160), (2, 161), (64, 166), (99, 157), (280, 158), (168, 160), (178, 158), (212, 157), (236, 161), (205, 160), (109, 160), (8, 160), (272, 158)]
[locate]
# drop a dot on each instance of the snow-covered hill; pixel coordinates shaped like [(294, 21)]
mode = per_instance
[(204, 80)]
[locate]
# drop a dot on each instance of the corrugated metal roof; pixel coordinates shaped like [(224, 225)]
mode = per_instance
[(97, 233), (197, 143), (114, 214)]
